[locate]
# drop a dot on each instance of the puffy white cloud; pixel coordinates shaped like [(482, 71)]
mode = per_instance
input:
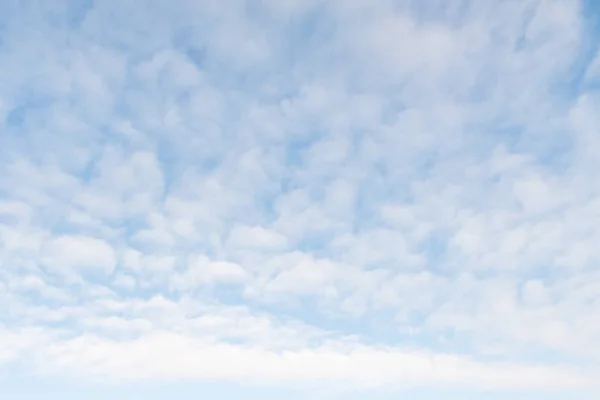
[(362, 194), (255, 237), (203, 271), (73, 253)]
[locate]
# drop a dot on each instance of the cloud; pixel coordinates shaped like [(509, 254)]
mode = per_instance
[(169, 356), (352, 194), (203, 271), (78, 252), (255, 236)]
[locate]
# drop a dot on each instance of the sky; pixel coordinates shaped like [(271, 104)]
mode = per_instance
[(299, 199)]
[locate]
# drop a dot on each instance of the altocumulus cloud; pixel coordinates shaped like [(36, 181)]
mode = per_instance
[(344, 195)]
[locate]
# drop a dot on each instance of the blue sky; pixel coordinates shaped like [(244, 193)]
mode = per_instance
[(299, 199)]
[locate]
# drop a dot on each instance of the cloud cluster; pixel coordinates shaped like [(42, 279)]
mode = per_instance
[(374, 194)]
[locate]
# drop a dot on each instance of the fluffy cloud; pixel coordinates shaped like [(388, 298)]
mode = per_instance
[(345, 193), (78, 252)]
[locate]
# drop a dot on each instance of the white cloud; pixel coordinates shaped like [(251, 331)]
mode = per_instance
[(73, 253), (163, 355), (203, 271), (131, 260), (255, 237), (298, 187), (124, 281)]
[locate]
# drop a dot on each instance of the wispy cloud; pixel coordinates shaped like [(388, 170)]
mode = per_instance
[(345, 194)]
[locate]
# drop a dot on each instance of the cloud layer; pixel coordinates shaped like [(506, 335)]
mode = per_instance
[(367, 195)]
